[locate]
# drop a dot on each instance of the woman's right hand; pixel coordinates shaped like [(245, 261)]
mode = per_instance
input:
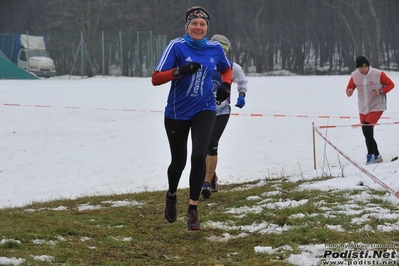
[(349, 92)]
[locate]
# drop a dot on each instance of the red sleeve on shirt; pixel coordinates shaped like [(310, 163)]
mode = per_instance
[(159, 78), (227, 75), (351, 84), (387, 82)]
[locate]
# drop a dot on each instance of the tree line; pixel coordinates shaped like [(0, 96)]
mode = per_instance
[(300, 36)]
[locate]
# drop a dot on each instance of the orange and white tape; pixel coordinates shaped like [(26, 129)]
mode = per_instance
[(160, 111)]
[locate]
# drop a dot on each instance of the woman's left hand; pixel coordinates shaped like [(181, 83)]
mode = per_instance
[(377, 92)]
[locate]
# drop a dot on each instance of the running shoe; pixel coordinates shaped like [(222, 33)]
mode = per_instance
[(214, 183), (369, 158), (206, 190), (170, 211), (377, 159), (192, 219)]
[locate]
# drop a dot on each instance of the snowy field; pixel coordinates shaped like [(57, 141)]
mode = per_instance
[(64, 138)]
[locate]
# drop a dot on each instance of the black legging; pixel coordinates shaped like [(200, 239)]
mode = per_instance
[(218, 128), (368, 132), (177, 131)]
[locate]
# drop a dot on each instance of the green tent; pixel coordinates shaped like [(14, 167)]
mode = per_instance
[(10, 71)]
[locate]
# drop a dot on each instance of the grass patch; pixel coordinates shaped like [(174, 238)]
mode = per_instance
[(129, 229)]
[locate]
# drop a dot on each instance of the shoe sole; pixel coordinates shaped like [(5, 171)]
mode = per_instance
[(375, 162), (194, 228)]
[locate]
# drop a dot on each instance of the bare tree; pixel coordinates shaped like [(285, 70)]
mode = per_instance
[(88, 17), (303, 36), (375, 55)]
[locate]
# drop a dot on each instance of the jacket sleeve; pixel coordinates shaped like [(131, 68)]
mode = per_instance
[(387, 82), (240, 78)]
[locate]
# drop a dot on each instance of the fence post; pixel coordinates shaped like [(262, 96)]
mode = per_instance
[(314, 147), (120, 47)]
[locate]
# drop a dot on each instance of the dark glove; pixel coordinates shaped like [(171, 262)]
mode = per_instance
[(240, 101), (223, 92), (190, 68)]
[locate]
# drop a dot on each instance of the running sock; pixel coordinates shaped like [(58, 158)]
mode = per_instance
[(171, 198), (192, 207)]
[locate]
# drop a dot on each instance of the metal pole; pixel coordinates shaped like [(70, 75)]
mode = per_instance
[(150, 56), (81, 52), (120, 47), (75, 58), (26, 52), (138, 53), (102, 47)]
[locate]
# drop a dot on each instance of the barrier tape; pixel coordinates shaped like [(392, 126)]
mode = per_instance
[(358, 125), (373, 177), (159, 111), (79, 108), (300, 116)]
